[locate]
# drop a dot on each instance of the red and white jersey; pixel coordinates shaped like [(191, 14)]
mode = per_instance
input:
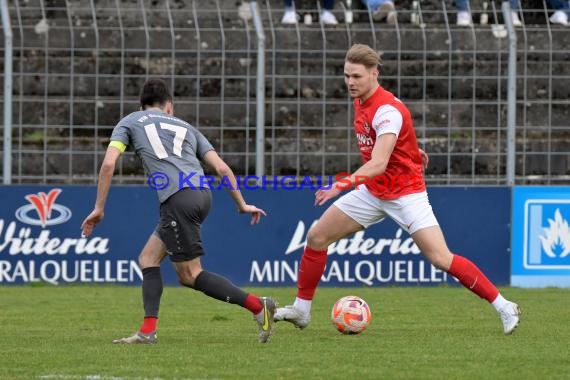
[(384, 113)]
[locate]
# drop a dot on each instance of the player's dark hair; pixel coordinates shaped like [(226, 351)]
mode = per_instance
[(363, 55), (155, 92)]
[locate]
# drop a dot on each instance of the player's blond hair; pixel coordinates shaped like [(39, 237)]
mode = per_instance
[(363, 55)]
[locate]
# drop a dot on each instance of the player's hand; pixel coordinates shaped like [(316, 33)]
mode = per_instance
[(91, 221), (254, 211), (425, 159), (324, 195)]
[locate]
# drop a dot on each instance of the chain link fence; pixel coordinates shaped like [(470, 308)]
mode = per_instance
[(78, 66)]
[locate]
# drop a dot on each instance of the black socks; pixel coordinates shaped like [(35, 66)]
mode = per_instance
[(220, 288), (151, 291)]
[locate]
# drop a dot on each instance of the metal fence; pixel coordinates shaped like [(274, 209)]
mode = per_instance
[(78, 66)]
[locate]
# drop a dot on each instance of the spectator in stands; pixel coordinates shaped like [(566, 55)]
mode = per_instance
[(382, 10), (291, 17), (464, 14), (562, 11)]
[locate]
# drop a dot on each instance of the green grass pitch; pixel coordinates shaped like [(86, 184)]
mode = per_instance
[(416, 333)]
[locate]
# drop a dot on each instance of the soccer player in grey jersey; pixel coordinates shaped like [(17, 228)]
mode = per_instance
[(173, 147)]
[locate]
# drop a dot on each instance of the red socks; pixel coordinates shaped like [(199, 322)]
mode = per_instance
[(149, 325), (310, 271), (253, 304), (472, 278)]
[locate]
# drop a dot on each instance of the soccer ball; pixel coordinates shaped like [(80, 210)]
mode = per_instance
[(351, 315)]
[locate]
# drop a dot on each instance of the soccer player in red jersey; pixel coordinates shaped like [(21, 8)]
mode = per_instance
[(390, 184)]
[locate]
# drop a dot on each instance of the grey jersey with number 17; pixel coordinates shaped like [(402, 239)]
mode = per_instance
[(166, 145)]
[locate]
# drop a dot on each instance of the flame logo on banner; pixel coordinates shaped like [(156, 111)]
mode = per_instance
[(556, 237), (43, 204)]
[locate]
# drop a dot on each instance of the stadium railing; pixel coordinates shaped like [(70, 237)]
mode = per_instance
[(78, 66)]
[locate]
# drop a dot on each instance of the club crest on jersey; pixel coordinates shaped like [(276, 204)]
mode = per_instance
[(364, 140)]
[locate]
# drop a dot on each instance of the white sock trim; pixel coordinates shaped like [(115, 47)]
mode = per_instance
[(304, 306), (499, 302)]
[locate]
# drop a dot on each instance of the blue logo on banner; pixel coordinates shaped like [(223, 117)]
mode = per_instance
[(547, 234)]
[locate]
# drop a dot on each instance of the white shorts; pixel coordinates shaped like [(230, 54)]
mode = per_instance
[(412, 212)]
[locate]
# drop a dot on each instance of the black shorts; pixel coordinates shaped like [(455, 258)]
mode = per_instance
[(181, 217)]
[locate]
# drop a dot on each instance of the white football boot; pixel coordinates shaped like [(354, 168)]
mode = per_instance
[(510, 316), (291, 314), (138, 338)]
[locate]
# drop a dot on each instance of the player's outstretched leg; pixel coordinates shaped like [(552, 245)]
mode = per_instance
[(431, 242), (471, 277), (220, 288)]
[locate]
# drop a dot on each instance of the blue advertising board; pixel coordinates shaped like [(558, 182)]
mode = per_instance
[(40, 238), (269, 254), (40, 235), (541, 237)]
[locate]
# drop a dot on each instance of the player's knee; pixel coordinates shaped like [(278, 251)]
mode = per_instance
[(441, 261), (145, 262), (186, 279), (317, 240)]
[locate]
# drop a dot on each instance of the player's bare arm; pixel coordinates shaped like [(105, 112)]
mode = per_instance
[(376, 166), (223, 170), (103, 185)]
